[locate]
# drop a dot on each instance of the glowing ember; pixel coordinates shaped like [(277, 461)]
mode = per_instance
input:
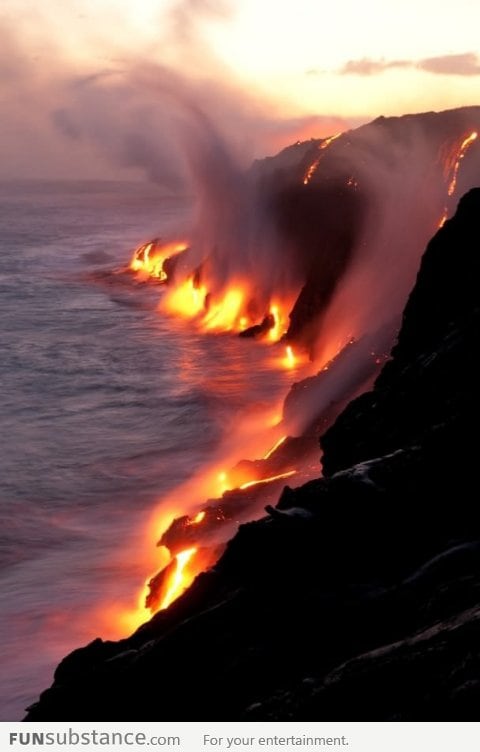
[(311, 170), (180, 579), (274, 448), (149, 258), (267, 480)]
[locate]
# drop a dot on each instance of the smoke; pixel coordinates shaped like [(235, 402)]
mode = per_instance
[(171, 113), (77, 102), (404, 166)]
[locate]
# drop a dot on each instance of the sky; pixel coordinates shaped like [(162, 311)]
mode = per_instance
[(120, 88)]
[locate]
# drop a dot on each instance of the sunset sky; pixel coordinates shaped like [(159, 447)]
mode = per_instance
[(96, 88)]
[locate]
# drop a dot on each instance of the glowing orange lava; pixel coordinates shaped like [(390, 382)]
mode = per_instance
[(180, 578), (312, 169), (198, 518), (149, 258), (267, 480), (187, 300), (279, 311), (274, 448), (225, 314), (228, 311), (290, 360), (451, 167), (223, 482), (468, 141)]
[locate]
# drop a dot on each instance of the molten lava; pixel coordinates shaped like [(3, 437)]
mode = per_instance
[(228, 311), (279, 311), (460, 154), (313, 167), (198, 518), (290, 360), (150, 258), (274, 448), (187, 300), (179, 579), (225, 314), (452, 164), (266, 480)]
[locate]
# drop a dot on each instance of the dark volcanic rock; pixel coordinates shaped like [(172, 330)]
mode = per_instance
[(432, 372), (358, 597)]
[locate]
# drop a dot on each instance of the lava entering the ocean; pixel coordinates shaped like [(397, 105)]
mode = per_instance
[(325, 272), (150, 258), (179, 579)]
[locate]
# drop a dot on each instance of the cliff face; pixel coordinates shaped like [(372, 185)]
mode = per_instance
[(358, 598)]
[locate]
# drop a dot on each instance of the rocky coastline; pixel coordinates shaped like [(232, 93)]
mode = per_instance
[(358, 596)]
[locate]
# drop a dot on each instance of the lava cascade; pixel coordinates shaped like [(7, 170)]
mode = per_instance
[(272, 274)]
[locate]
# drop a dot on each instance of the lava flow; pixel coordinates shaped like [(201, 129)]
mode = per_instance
[(179, 579), (313, 167), (468, 141), (150, 258), (252, 483), (274, 448), (233, 310), (316, 271), (452, 166)]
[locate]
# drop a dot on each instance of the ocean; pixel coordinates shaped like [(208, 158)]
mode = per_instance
[(106, 405)]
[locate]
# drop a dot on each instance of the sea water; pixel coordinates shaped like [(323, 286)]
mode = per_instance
[(105, 405)]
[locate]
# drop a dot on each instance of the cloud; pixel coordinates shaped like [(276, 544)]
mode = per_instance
[(466, 64), (368, 67)]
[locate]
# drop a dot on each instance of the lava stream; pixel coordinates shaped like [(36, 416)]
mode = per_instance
[(452, 166), (149, 259), (180, 579), (313, 167), (267, 480)]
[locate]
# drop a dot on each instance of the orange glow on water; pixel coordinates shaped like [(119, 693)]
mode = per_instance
[(180, 579)]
